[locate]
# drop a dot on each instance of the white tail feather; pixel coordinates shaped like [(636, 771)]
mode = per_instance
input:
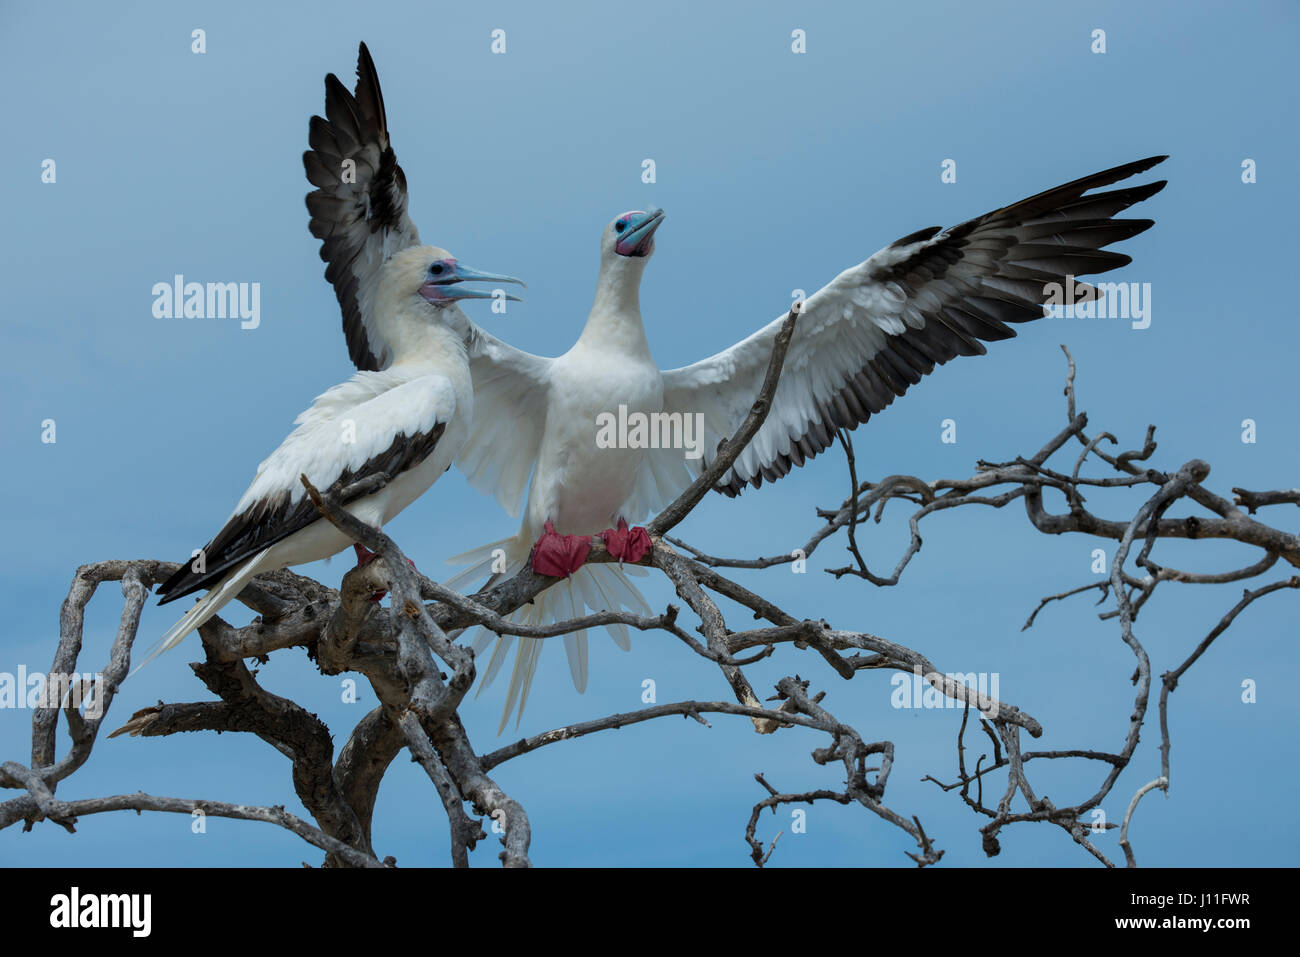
[(575, 643), (480, 561), (603, 587), (207, 606)]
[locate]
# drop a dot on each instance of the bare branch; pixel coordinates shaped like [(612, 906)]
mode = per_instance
[(409, 653)]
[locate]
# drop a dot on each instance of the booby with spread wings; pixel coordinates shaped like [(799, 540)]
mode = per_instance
[(862, 340), (407, 420)]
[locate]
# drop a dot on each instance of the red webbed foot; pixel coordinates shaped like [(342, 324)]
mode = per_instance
[(626, 544), (364, 557), (559, 555)]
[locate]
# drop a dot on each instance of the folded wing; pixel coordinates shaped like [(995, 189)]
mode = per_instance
[(370, 424)]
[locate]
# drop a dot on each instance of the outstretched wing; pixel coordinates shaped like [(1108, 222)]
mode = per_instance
[(393, 427), (510, 397), (878, 327), (358, 210)]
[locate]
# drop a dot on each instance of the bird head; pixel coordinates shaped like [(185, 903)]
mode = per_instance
[(435, 276), (625, 248), (631, 235)]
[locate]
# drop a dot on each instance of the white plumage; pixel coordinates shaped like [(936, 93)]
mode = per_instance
[(405, 414), (407, 421), (861, 341)]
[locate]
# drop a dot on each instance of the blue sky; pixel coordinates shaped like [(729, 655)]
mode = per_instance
[(777, 171)]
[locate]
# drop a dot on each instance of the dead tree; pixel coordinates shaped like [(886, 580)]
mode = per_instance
[(409, 654)]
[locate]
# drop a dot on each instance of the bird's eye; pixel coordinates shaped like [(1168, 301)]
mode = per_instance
[(620, 226), (436, 269)]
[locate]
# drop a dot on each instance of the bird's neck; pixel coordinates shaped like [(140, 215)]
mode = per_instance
[(422, 337), (615, 315)]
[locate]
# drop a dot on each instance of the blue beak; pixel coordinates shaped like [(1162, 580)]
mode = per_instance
[(445, 274), (636, 239)]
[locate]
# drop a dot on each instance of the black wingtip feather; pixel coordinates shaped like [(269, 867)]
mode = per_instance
[(167, 590), (355, 128), (269, 521), (919, 236), (1058, 231), (368, 91)]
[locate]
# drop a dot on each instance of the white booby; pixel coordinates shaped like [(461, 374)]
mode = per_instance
[(861, 341), (407, 419)]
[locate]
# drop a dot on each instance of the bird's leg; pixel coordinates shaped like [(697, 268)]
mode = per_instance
[(559, 555), (626, 544), (364, 557)]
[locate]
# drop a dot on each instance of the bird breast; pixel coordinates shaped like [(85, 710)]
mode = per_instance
[(587, 467)]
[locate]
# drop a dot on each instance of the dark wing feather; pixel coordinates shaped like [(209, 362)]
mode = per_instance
[(358, 209), (877, 328), (268, 521)]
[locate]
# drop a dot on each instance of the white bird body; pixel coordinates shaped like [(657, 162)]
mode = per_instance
[(405, 417), (409, 421), (381, 403), (579, 486), (862, 340)]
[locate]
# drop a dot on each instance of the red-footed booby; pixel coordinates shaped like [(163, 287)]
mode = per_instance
[(861, 341), (407, 420)]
